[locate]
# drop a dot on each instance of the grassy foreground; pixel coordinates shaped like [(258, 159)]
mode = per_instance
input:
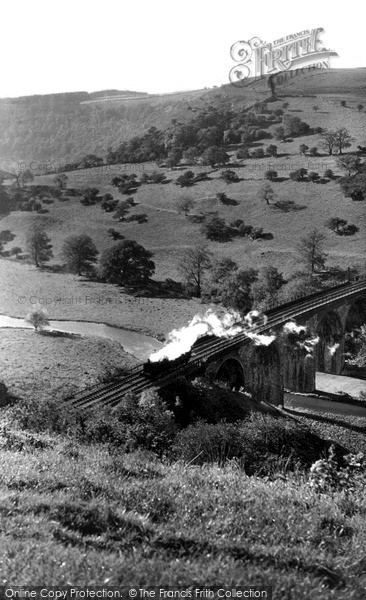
[(78, 515)]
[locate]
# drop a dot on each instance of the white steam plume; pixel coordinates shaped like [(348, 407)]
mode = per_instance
[(332, 349), (298, 336), (229, 325)]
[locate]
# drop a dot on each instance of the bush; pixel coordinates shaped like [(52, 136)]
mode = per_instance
[(229, 176), (256, 443), (271, 175), (135, 423)]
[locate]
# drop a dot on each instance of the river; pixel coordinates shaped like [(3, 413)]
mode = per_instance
[(138, 344)]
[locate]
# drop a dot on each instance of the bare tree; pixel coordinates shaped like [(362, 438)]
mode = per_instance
[(38, 245), (266, 193), (38, 318), (185, 204), (193, 264), (311, 252)]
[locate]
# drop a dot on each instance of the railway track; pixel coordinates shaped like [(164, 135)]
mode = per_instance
[(110, 393)]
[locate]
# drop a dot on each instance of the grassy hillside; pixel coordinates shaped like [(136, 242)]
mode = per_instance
[(82, 514), (61, 128)]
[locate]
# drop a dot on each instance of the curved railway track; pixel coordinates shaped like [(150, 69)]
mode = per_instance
[(110, 393)]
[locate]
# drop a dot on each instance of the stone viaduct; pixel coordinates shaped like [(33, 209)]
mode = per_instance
[(265, 371)]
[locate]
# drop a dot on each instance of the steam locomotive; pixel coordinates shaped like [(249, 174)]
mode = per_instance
[(165, 366)]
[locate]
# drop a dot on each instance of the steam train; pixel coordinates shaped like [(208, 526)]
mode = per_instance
[(165, 366)]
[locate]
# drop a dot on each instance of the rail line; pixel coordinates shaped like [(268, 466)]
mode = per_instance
[(110, 393)]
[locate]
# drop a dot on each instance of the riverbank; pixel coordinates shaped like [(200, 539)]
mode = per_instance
[(42, 367), (68, 297)]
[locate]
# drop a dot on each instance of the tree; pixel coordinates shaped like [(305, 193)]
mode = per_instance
[(271, 150), (313, 151), (265, 288), (127, 263), (90, 196), (342, 139), (315, 108), (335, 223), (295, 126), (313, 176), (38, 245), (229, 176), (258, 153), (328, 141), (271, 175), (22, 177), (174, 157), (233, 288), (79, 253), (328, 174), (311, 252), (185, 204), (191, 154), (216, 229), (266, 193), (359, 107), (38, 319), (185, 180), (193, 266), (298, 175), (122, 209), (279, 133), (303, 149), (343, 103), (215, 155), (60, 181), (351, 164)]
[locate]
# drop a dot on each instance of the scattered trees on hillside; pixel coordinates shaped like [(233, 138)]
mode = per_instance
[(311, 251), (79, 253), (193, 265), (38, 245), (336, 140), (127, 263)]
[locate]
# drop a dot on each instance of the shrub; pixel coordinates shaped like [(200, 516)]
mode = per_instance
[(256, 442), (229, 176), (271, 174)]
